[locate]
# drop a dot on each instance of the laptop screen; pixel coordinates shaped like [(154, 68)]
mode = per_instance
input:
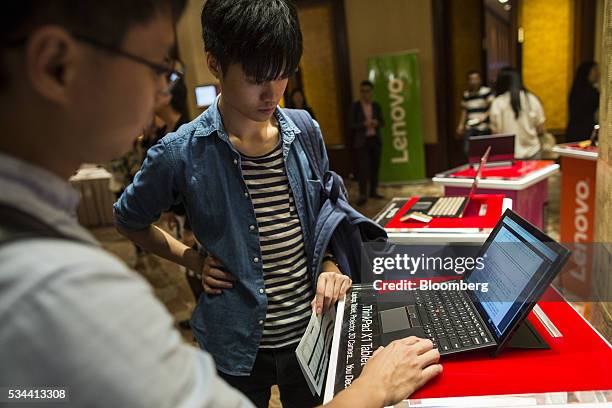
[(205, 95), (519, 262), (502, 147), (481, 166)]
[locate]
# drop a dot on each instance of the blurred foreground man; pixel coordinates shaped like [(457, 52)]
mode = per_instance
[(77, 80)]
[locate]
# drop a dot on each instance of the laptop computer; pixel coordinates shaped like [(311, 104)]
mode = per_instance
[(519, 261), (501, 145), (446, 206)]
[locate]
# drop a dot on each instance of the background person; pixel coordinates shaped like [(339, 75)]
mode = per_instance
[(297, 100), (366, 121), (583, 102), (170, 114), (475, 106), (516, 110)]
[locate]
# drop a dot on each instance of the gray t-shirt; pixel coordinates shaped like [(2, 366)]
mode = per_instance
[(74, 316)]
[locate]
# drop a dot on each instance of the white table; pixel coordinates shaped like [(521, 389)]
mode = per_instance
[(501, 184), (96, 205), (576, 399), (424, 236), (529, 192)]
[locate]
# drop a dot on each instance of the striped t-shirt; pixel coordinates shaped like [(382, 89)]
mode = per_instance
[(477, 106), (282, 249)]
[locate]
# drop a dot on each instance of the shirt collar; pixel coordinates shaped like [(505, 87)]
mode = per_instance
[(210, 122), (46, 185), (41, 193)]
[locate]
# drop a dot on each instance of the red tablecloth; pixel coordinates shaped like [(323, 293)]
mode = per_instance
[(580, 360), (515, 171), (576, 146), (470, 219)]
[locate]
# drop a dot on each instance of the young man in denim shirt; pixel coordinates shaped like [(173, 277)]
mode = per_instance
[(252, 198)]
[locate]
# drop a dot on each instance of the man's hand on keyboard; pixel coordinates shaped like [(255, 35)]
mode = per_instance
[(401, 368)]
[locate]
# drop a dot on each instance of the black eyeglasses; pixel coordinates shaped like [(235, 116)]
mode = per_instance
[(170, 73)]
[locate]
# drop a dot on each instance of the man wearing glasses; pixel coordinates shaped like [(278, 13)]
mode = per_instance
[(77, 81)]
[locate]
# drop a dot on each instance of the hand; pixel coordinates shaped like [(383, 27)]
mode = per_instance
[(461, 130), (214, 277), (169, 218), (331, 286), (188, 238), (400, 369)]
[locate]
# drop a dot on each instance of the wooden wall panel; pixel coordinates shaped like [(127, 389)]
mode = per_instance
[(465, 53), (318, 67), (548, 56), (602, 311), (387, 26), (191, 50)]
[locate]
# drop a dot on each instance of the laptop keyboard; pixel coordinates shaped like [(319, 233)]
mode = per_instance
[(449, 320), (446, 206)]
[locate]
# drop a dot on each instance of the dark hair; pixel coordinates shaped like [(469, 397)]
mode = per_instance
[(365, 82), (179, 97), (501, 83), (105, 20), (178, 93), (581, 80), (293, 92), (263, 36), (510, 81)]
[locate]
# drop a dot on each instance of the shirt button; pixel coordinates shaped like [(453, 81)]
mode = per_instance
[(261, 322), (252, 227), (261, 291), (235, 161), (256, 259), (246, 194)]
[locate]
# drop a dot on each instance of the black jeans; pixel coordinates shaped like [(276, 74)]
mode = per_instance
[(280, 367), (368, 157)]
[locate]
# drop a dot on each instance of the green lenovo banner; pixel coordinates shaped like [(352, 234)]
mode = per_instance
[(397, 88)]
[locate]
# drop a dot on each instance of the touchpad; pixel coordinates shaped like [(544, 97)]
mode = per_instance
[(394, 320), (395, 324), (387, 338)]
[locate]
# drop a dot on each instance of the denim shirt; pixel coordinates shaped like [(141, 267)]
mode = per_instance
[(198, 165)]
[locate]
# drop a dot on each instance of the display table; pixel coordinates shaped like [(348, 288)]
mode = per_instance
[(578, 174), (480, 217), (579, 359), (96, 205), (525, 182), (577, 215)]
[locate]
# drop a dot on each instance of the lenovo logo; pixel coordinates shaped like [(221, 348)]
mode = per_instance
[(398, 119), (582, 227)]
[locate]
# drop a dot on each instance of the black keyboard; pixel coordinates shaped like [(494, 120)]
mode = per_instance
[(450, 321)]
